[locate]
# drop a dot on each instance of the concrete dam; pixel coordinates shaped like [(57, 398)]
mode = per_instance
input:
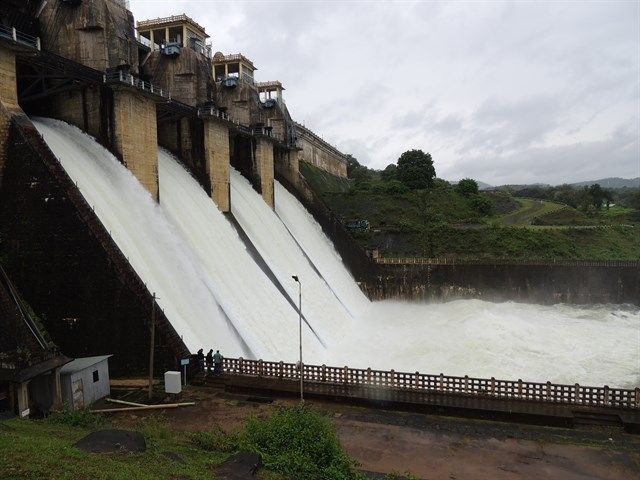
[(141, 163)]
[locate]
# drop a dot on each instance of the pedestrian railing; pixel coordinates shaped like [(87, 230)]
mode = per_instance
[(128, 79), (437, 384), (10, 33), (211, 111), (505, 261)]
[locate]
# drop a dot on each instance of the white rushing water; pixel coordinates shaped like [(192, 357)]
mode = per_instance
[(143, 233), (245, 293), (214, 293), (284, 256), (319, 248)]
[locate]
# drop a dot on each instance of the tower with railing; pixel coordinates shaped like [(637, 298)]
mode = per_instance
[(231, 68), (171, 34)]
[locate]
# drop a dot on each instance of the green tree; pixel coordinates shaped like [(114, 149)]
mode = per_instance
[(467, 187), (389, 172), (597, 195), (357, 171), (415, 169)]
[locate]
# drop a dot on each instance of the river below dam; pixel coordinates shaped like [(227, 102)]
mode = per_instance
[(230, 289)]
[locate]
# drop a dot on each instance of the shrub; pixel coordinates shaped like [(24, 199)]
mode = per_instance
[(300, 442), (467, 187), (81, 418), (395, 187), (481, 204)]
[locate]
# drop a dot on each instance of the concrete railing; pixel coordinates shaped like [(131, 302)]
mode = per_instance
[(506, 261), (211, 111), (128, 79), (10, 33), (440, 384)]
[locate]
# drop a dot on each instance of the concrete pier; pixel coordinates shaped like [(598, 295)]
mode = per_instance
[(135, 136), (217, 162), (264, 169)]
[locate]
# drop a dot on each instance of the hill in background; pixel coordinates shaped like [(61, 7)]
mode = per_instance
[(611, 182)]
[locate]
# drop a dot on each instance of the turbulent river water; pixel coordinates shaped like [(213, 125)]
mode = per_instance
[(234, 291)]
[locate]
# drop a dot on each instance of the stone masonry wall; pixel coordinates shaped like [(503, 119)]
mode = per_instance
[(319, 153), (264, 169), (136, 137), (216, 146), (8, 87)]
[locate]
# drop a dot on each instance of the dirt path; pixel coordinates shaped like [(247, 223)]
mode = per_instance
[(532, 207), (432, 455), (433, 447)]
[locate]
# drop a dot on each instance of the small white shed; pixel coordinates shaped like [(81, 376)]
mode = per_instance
[(85, 380)]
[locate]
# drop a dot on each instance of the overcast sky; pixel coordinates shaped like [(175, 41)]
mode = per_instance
[(500, 92)]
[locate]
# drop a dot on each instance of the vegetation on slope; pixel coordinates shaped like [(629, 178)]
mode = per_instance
[(295, 442), (434, 218)]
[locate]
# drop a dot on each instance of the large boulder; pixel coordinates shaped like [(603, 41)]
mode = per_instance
[(111, 441)]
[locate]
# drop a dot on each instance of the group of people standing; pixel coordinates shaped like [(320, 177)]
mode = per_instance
[(213, 361)]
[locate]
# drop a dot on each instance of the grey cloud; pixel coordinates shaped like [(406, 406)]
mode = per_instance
[(484, 87), (558, 164)]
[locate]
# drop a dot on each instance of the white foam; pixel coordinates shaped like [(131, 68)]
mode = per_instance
[(145, 236)]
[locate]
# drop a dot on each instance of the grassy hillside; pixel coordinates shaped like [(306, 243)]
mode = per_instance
[(443, 222)]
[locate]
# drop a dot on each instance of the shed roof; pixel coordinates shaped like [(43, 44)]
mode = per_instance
[(82, 363)]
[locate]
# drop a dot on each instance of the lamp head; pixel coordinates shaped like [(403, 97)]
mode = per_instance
[(295, 277)]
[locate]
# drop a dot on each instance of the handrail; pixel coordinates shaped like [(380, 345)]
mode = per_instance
[(213, 112), (128, 79), (506, 261), (17, 36), (173, 18), (443, 384)]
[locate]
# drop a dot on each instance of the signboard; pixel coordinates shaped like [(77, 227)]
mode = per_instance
[(184, 361)]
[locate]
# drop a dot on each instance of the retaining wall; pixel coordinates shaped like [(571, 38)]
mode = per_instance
[(546, 283)]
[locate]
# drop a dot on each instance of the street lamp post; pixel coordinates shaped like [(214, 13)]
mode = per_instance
[(295, 277)]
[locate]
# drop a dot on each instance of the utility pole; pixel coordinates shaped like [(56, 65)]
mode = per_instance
[(295, 277), (152, 342)]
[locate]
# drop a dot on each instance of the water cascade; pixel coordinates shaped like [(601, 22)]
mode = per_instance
[(214, 293)]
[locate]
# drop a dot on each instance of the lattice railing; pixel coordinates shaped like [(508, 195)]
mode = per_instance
[(505, 261), (443, 384)]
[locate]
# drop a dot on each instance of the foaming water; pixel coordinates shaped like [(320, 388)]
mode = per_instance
[(245, 293), (320, 250), (284, 256), (143, 233), (560, 343), (214, 293)]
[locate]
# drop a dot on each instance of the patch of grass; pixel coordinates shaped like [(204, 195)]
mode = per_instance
[(81, 418), (214, 439), (43, 450), (154, 428), (324, 182)]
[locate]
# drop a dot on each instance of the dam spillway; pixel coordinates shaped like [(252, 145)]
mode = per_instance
[(214, 294)]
